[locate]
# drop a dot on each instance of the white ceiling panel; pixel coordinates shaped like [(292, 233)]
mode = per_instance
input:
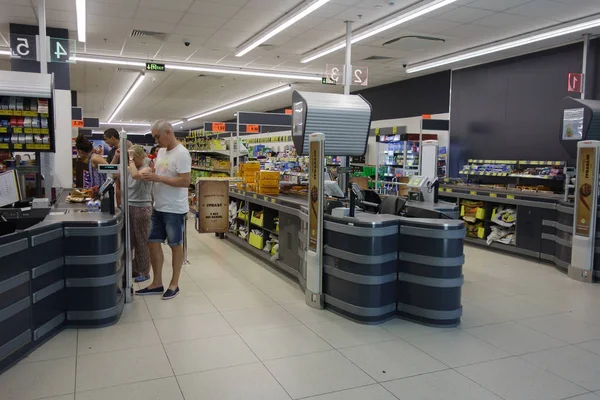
[(347, 3), (252, 14), (11, 11), (113, 10), (428, 26), (195, 30), (551, 10), (110, 27), (153, 26), (152, 14), (328, 10), (465, 15), (175, 5), (65, 5), (280, 5), (495, 5), (203, 20), (214, 9), (60, 16)]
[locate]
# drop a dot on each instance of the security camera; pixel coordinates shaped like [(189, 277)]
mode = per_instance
[(187, 44), (404, 65)]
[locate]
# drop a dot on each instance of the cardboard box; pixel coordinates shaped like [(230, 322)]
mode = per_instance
[(220, 164)]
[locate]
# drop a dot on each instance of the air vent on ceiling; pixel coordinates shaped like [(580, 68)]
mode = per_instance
[(377, 58), (156, 35), (414, 42), (265, 46)]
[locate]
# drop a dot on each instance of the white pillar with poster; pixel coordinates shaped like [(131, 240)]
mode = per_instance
[(314, 255), (212, 199), (586, 205)]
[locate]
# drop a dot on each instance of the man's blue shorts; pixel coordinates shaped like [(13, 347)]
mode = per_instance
[(167, 226)]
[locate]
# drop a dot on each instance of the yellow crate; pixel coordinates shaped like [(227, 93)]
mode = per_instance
[(242, 214), (256, 241), (258, 218), (269, 175), (480, 213), (266, 190), (268, 183)]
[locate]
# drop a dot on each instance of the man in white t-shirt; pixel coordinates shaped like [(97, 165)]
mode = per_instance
[(171, 177)]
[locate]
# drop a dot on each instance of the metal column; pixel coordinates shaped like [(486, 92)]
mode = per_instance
[(344, 178), (586, 48), (124, 161)]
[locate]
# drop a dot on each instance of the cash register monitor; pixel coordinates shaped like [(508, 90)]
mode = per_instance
[(417, 182), (9, 188)]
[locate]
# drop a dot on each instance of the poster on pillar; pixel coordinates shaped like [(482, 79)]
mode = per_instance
[(586, 175), (315, 170), (213, 205)]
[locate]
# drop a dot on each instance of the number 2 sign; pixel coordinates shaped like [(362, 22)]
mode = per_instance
[(336, 74)]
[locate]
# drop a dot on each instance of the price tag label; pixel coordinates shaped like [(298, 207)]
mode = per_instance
[(18, 113), (493, 195), (17, 146), (273, 200), (218, 127), (394, 130), (28, 130), (255, 196), (4, 146), (77, 124), (17, 130), (252, 128), (474, 193), (265, 198), (510, 196)]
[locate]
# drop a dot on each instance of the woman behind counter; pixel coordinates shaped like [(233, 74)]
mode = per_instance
[(140, 210), (85, 151)]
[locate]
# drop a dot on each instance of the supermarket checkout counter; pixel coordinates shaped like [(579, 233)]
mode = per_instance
[(376, 266), (65, 271), (544, 227)]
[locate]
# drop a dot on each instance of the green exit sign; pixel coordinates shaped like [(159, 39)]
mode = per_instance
[(155, 67)]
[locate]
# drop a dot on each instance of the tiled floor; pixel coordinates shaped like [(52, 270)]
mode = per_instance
[(241, 331)]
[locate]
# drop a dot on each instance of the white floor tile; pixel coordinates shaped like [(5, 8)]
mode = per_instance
[(260, 318), (514, 338), (392, 360), (589, 315), (64, 397), (63, 345), (587, 396), (284, 342), (564, 327), (516, 379), (205, 354), (284, 294), (223, 285), (240, 300), (309, 315), (101, 370), (38, 380), (344, 333), (371, 392), (511, 308), (477, 316), (248, 382), (406, 329), (158, 389), (315, 374), (211, 271), (192, 327), (572, 363), (179, 306), (117, 337), (135, 311), (475, 292), (457, 348), (442, 385)]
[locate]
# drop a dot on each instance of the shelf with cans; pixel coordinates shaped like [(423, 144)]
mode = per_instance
[(26, 123)]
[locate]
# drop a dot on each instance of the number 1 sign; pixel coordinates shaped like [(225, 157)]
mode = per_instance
[(575, 82)]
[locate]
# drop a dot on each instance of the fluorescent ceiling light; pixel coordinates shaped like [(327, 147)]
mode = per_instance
[(241, 102), (239, 71), (81, 22), (108, 61), (5, 52), (379, 27), (130, 92), (284, 23), (177, 123), (126, 123), (505, 46)]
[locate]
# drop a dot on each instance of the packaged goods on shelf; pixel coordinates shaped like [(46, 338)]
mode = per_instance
[(475, 230), (471, 211)]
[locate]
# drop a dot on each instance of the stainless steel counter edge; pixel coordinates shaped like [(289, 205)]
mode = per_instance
[(269, 204), (516, 202)]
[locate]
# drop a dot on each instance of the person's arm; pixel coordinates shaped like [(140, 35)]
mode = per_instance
[(181, 180), (97, 160)]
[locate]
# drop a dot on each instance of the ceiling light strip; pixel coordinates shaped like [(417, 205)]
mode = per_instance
[(126, 123), (81, 20), (378, 27), (204, 68), (129, 93), (505, 46), (5, 52), (279, 26), (242, 102), (176, 123)]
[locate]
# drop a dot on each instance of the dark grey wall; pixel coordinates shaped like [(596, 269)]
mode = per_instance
[(511, 109)]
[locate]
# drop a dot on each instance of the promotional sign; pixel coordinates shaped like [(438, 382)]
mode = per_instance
[(77, 123), (585, 179), (315, 170), (252, 129), (573, 124), (218, 126), (335, 74), (575, 82), (213, 206)]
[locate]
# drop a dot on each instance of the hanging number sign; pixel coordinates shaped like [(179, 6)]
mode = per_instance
[(335, 74)]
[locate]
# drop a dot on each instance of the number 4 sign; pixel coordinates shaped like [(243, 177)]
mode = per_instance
[(575, 82)]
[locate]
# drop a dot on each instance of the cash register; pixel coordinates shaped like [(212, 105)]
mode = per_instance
[(17, 213)]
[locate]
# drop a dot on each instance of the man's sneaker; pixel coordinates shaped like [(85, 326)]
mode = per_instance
[(170, 294), (147, 292)]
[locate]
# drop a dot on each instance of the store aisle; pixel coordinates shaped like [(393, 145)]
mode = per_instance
[(241, 331)]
